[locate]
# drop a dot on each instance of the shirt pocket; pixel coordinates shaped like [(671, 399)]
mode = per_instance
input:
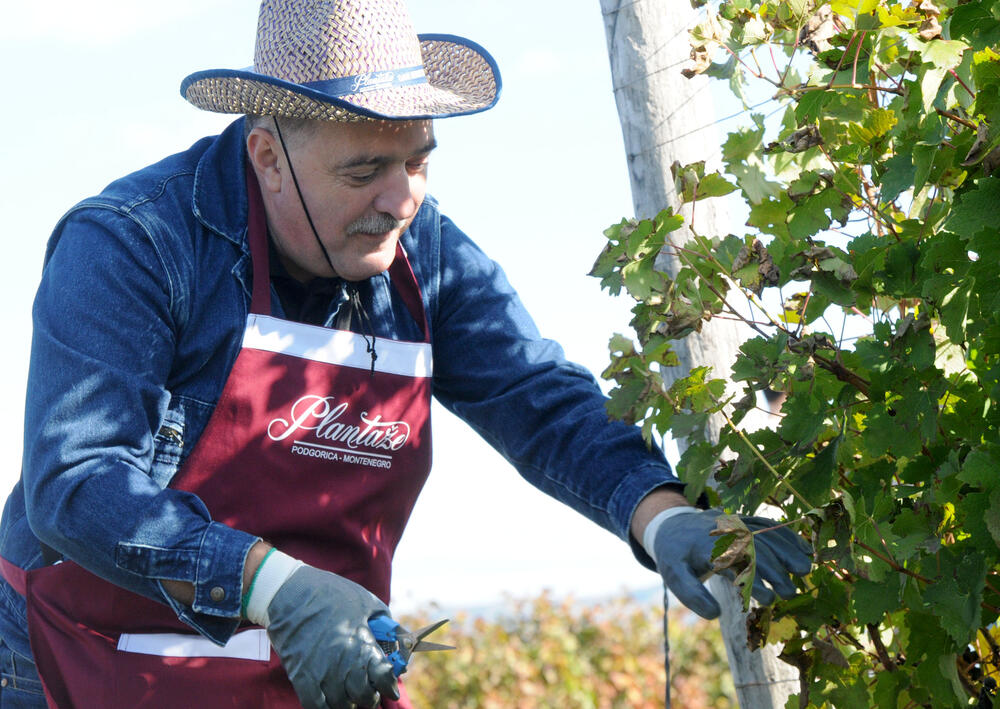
[(20, 685)]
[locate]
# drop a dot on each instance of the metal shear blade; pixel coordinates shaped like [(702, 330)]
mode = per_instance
[(410, 642)]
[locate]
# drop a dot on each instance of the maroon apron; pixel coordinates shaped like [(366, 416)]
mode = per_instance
[(307, 449)]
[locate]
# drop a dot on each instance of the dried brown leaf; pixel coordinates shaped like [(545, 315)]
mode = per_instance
[(818, 29), (927, 7), (737, 554), (929, 29), (701, 59)]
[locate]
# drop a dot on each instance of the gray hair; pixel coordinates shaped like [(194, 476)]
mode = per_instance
[(294, 130)]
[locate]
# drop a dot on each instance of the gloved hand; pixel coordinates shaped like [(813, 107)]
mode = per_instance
[(682, 550), (318, 624)]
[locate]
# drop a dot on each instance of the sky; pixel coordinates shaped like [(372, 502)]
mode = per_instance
[(93, 93)]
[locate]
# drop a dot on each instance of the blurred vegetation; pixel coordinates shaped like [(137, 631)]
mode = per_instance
[(547, 653)]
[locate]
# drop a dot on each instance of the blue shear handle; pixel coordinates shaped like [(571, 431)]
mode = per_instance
[(385, 629)]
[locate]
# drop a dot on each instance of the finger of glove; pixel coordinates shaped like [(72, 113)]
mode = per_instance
[(685, 541), (340, 703), (378, 666), (309, 693), (381, 676), (783, 536), (294, 659), (790, 549), (335, 690), (760, 592), (771, 569), (690, 591), (358, 689)]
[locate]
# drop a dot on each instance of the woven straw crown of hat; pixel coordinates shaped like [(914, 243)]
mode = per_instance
[(349, 60)]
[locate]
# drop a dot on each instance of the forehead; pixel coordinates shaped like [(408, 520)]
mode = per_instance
[(375, 139)]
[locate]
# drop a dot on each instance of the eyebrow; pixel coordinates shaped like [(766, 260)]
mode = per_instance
[(378, 160)]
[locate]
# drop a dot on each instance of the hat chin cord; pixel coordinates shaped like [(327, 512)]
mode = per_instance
[(355, 299), (302, 201)]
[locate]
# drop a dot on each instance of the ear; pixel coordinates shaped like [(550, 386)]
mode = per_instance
[(263, 149)]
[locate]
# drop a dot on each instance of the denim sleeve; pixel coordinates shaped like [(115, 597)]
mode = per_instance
[(101, 353), (544, 414)]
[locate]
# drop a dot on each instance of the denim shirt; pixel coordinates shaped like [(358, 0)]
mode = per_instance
[(137, 321)]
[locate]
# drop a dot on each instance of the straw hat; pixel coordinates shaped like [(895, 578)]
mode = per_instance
[(349, 60)]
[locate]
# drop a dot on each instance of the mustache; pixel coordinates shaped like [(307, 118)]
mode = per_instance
[(378, 223)]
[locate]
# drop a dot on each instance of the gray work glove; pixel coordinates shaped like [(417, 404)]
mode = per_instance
[(318, 624), (682, 550)]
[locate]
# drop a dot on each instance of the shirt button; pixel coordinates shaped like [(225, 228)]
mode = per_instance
[(217, 594), (3, 682)]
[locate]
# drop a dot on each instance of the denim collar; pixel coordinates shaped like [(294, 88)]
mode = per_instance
[(220, 193)]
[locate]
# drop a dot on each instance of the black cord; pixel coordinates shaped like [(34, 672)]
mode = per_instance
[(302, 201), (366, 323)]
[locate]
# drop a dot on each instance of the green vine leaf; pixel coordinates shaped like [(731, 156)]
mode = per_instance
[(972, 213), (977, 23), (942, 56), (866, 281)]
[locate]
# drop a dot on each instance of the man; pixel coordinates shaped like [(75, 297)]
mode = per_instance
[(228, 405)]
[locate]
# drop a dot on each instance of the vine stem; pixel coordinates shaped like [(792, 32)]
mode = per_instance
[(842, 57), (957, 118), (874, 211), (961, 82), (682, 253), (883, 654), (756, 75), (760, 71), (927, 210), (844, 374), (893, 563), (802, 318), (844, 637), (774, 63), (752, 297), (889, 76), (859, 87), (836, 368), (762, 459), (795, 47), (857, 55)]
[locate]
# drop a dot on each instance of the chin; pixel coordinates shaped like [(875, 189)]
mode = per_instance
[(368, 266)]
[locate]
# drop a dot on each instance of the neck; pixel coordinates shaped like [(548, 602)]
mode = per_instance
[(292, 268)]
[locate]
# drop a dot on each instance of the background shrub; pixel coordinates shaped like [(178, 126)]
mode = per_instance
[(547, 653)]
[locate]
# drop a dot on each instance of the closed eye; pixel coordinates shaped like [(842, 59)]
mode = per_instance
[(363, 178), (416, 167)]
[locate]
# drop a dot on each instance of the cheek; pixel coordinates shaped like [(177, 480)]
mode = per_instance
[(333, 222), (418, 188)]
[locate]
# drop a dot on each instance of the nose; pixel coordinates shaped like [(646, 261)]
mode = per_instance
[(401, 194)]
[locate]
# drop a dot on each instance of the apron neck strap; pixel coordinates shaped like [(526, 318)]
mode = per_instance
[(260, 302), (405, 282)]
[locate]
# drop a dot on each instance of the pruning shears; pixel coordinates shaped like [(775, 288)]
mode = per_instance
[(399, 644)]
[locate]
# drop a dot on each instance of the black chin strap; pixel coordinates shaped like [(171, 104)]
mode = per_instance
[(355, 298), (302, 201)]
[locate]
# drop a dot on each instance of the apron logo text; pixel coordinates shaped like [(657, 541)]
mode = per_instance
[(321, 416), (338, 456)]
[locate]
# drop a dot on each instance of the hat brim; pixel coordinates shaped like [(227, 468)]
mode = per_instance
[(462, 78)]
